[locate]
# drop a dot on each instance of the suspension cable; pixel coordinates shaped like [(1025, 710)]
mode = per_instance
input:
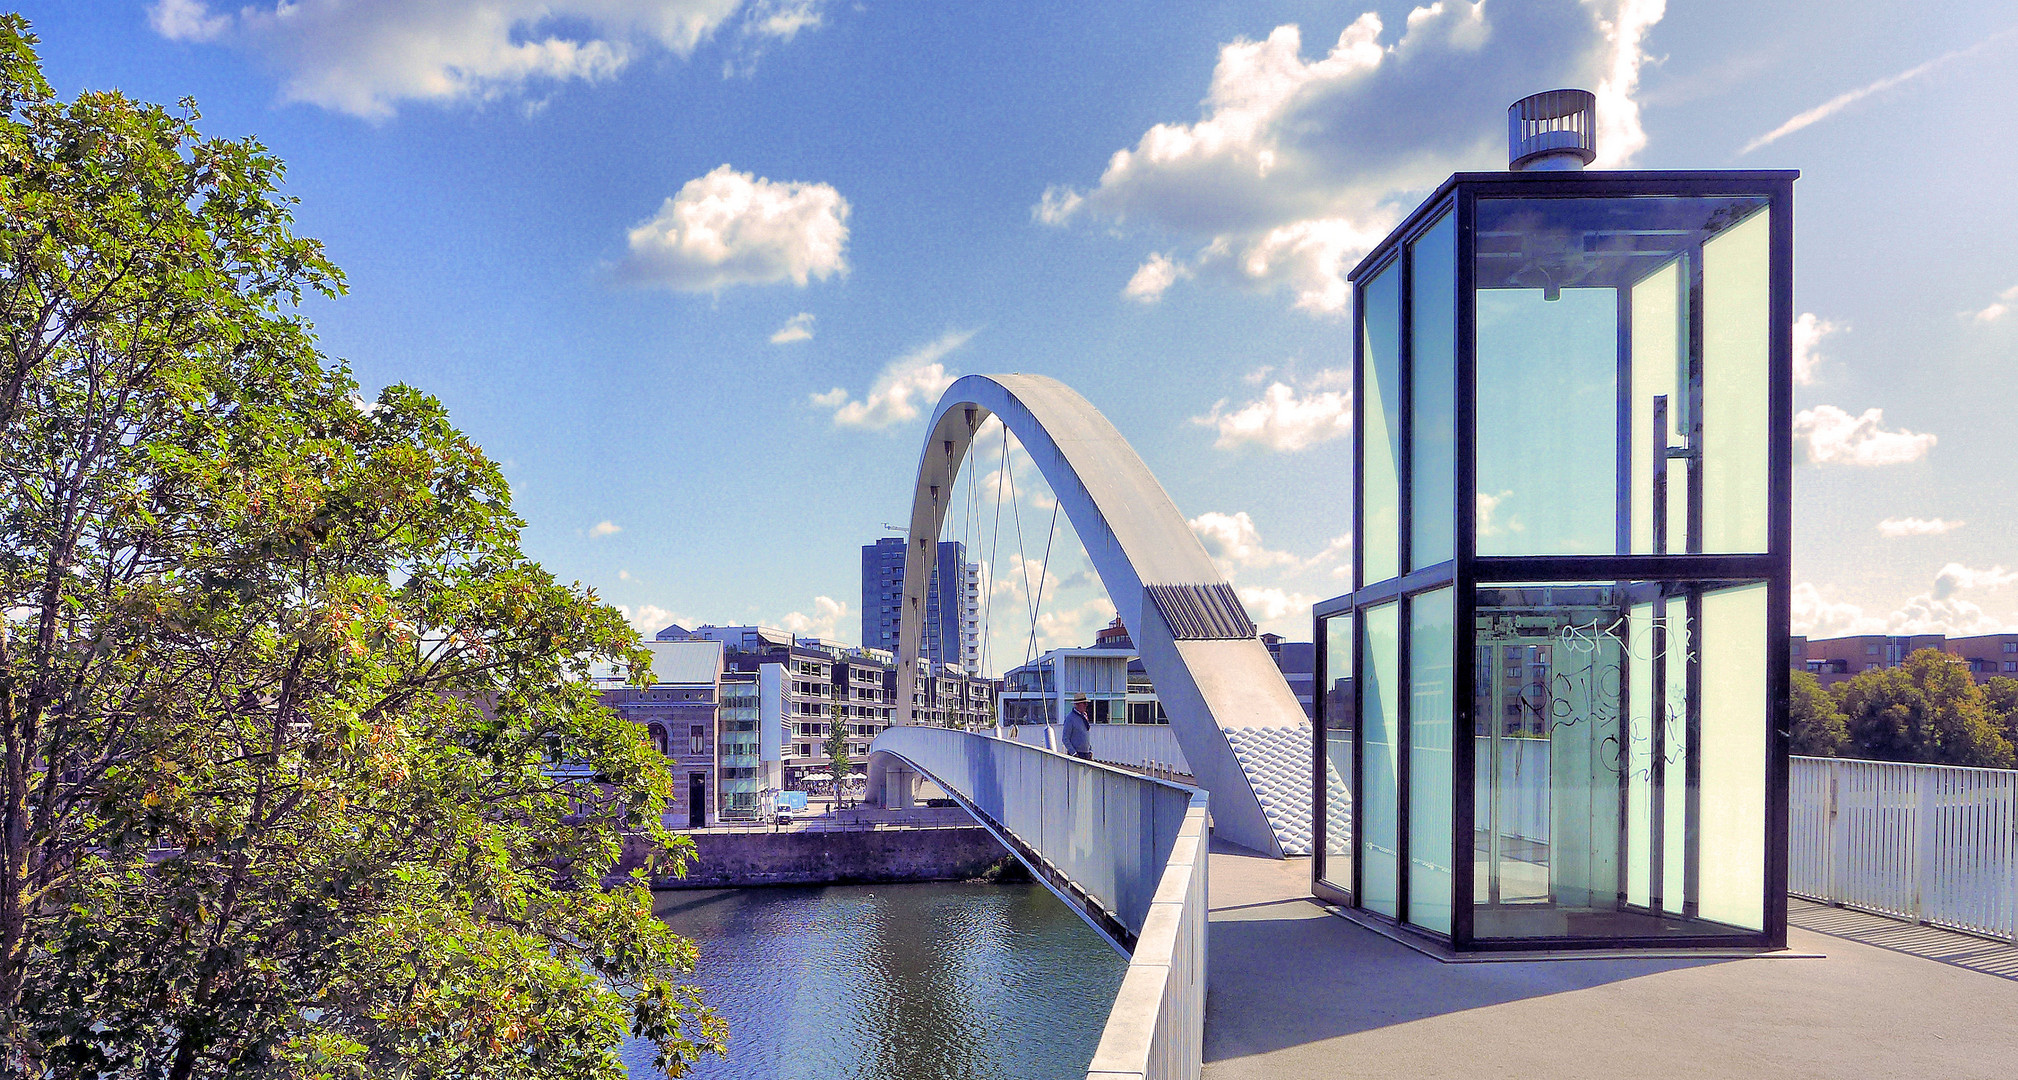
[(1030, 651), (1022, 553), (994, 554)]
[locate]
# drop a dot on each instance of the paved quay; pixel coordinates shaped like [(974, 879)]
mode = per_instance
[(1298, 992)]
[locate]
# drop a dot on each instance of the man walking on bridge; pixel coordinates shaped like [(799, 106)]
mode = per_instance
[(1079, 728)]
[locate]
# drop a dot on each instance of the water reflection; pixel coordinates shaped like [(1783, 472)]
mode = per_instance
[(888, 981)]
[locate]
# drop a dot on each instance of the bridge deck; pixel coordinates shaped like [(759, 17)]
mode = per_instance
[(1297, 992)]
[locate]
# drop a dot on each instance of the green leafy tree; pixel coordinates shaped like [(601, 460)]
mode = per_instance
[(2001, 695), (282, 698), (1819, 728), (1927, 709), (837, 751)]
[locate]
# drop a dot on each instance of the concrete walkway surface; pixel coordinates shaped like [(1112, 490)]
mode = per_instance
[(1298, 992)]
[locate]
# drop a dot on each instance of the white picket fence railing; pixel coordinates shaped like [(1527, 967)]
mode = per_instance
[(1930, 843)]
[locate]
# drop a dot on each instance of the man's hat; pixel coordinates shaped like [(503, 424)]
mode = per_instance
[(1077, 698)]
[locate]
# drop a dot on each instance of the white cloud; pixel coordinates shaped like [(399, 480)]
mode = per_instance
[(1834, 437), (606, 528), (1057, 205), (824, 622), (1060, 627), (365, 57), (1278, 611), (1489, 521), (1339, 550), (1897, 527), (1295, 167), (186, 20), (1809, 330), (1814, 616), (797, 328), (1843, 101), (733, 228), (1999, 308), (1235, 544), (908, 385), (1955, 576), (649, 619), (1952, 615), (1620, 136), (1937, 611), (1283, 419), (782, 19), (1156, 274)]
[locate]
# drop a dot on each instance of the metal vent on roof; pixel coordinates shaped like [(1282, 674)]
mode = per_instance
[(1201, 612), (1555, 129)]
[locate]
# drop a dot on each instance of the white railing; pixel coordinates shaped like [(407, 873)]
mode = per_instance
[(1140, 746), (1930, 843), (1156, 1030), (1523, 787), (1126, 850)]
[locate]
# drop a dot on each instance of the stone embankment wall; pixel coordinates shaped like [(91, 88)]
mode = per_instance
[(837, 857)]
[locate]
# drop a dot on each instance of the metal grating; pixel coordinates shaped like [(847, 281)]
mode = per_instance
[(1201, 612)]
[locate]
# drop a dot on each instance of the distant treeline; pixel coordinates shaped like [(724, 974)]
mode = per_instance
[(1927, 710)]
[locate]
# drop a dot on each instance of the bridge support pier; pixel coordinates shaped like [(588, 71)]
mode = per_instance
[(899, 787)]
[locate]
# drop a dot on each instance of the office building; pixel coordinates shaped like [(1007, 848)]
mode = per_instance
[(952, 629)]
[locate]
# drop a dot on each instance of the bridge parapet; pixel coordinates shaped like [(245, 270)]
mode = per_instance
[(1099, 836), (1128, 852)]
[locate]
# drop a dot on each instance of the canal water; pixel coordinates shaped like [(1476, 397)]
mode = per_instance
[(881, 982)]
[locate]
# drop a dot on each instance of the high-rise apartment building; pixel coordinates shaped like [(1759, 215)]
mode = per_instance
[(952, 632)]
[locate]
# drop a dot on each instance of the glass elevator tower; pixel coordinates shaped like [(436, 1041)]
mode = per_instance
[(1555, 704)]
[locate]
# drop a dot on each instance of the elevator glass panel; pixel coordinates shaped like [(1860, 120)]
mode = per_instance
[(1737, 331), (1431, 618), (1732, 765), (1622, 737), (1340, 709), (1660, 306), (1547, 395), (1432, 386), (1380, 721), (1380, 467)]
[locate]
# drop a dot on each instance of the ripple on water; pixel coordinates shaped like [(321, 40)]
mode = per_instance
[(895, 981)]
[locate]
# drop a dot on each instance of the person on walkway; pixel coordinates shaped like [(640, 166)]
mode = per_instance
[(1079, 728)]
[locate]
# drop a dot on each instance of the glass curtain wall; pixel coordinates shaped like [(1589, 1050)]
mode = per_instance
[(1623, 369), (1620, 793), (1585, 307), (1378, 806), (1571, 499), (1340, 724), (1394, 740)]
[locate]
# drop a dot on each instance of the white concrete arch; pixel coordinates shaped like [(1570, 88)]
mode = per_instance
[(1240, 726)]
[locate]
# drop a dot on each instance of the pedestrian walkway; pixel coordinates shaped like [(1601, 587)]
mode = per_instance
[(1298, 992)]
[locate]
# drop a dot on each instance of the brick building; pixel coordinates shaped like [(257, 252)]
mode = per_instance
[(1835, 660)]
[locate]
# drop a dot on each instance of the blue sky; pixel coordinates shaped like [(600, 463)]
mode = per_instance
[(695, 270)]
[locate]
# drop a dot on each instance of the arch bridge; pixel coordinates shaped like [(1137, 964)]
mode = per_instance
[(1240, 727)]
